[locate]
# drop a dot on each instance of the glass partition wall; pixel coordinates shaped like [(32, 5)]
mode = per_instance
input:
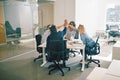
[(18, 23)]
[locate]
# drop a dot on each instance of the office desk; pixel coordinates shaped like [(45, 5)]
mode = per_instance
[(112, 73), (110, 77), (116, 51), (114, 68), (97, 74), (70, 46)]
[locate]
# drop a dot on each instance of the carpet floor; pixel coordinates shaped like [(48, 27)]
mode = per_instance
[(17, 64), (24, 68)]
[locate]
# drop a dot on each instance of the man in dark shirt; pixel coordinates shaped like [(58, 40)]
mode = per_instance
[(55, 35)]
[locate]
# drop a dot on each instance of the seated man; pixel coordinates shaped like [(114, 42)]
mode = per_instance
[(54, 35), (52, 29), (71, 30), (47, 32)]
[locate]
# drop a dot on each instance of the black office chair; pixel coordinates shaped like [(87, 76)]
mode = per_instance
[(10, 32), (38, 39), (91, 51), (56, 53), (113, 32), (74, 52)]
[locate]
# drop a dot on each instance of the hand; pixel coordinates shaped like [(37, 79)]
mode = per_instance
[(65, 23), (66, 38)]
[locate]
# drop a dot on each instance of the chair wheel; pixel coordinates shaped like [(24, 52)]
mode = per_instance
[(74, 55), (69, 69), (34, 60), (62, 74), (87, 65), (49, 73), (99, 65), (98, 61)]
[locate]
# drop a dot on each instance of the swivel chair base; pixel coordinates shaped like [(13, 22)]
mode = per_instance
[(58, 66), (39, 57), (73, 52), (113, 41), (94, 61)]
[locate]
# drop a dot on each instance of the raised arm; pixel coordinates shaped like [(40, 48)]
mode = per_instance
[(63, 25)]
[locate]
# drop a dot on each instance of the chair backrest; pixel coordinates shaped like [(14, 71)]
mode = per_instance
[(38, 39), (114, 30), (57, 50), (95, 49), (97, 40), (9, 29)]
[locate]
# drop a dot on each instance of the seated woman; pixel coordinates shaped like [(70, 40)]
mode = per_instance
[(88, 41)]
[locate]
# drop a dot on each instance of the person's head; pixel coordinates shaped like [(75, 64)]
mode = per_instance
[(48, 26), (71, 24), (81, 29), (53, 29)]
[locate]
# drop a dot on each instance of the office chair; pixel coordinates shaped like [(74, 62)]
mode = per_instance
[(91, 51), (38, 39), (10, 32), (56, 53), (73, 52), (114, 32)]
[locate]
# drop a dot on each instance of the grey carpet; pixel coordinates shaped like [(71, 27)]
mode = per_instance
[(23, 68), (10, 50)]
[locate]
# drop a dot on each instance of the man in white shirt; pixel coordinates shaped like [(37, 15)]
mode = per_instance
[(71, 31)]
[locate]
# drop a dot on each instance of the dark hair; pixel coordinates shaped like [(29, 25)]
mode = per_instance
[(48, 26), (53, 29), (72, 23)]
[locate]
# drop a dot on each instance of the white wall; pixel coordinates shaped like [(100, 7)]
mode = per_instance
[(92, 14), (46, 14), (86, 14), (102, 5), (64, 9), (26, 20)]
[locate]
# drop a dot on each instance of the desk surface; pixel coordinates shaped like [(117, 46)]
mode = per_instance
[(114, 68), (69, 45), (112, 73), (97, 74), (110, 77), (117, 44)]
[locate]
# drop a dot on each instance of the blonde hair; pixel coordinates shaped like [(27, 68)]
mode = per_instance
[(81, 28)]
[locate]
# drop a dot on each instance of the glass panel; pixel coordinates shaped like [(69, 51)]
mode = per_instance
[(18, 28), (113, 13)]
